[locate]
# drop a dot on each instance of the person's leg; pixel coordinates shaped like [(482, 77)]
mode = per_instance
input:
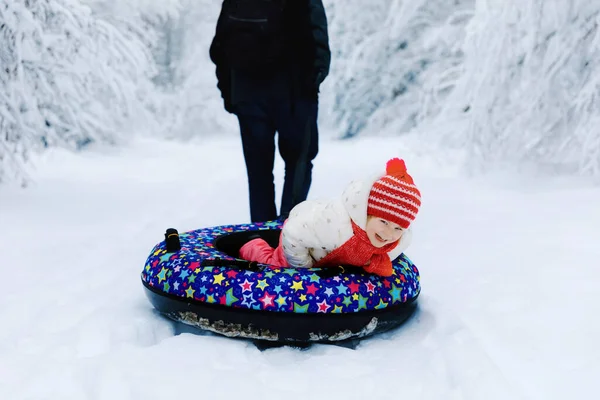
[(257, 250), (258, 142), (260, 251), (298, 145)]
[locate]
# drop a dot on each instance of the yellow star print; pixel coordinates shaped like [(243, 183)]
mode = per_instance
[(262, 284), (297, 286), (218, 279), (281, 301), (189, 292)]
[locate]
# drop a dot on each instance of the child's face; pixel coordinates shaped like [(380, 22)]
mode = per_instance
[(381, 231)]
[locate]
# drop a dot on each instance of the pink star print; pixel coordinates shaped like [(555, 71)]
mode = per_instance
[(323, 306), (370, 287), (193, 265), (267, 300), (246, 286), (311, 289)]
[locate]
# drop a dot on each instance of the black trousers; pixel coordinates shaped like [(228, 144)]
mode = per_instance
[(296, 126)]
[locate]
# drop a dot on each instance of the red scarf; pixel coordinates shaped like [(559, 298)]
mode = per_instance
[(358, 251)]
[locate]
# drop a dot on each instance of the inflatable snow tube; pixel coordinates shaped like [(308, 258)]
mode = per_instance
[(197, 278)]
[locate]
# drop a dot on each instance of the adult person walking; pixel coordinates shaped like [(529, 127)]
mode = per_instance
[(271, 56)]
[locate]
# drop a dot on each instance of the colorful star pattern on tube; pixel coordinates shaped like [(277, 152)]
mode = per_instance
[(272, 288)]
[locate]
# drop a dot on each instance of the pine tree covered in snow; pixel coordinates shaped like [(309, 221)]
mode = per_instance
[(67, 78)]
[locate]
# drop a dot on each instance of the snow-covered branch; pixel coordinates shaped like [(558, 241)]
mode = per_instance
[(67, 78)]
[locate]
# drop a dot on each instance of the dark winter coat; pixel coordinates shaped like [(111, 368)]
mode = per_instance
[(300, 76)]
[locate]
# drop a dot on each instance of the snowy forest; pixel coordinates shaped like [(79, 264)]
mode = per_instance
[(511, 82)]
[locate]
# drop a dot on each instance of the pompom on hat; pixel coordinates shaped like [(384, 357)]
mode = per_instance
[(394, 196)]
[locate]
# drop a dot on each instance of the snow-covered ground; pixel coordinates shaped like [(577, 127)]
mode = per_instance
[(509, 264)]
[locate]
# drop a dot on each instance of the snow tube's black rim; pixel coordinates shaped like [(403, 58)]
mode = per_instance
[(284, 328)]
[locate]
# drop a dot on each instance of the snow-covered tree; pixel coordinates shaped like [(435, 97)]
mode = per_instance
[(527, 92), (178, 34), (511, 81), (67, 78), (197, 107), (384, 53), (153, 22)]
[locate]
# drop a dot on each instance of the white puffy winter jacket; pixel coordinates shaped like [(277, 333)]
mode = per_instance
[(315, 228)]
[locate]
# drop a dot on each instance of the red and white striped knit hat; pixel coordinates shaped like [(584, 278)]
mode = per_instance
[(394, 196)]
